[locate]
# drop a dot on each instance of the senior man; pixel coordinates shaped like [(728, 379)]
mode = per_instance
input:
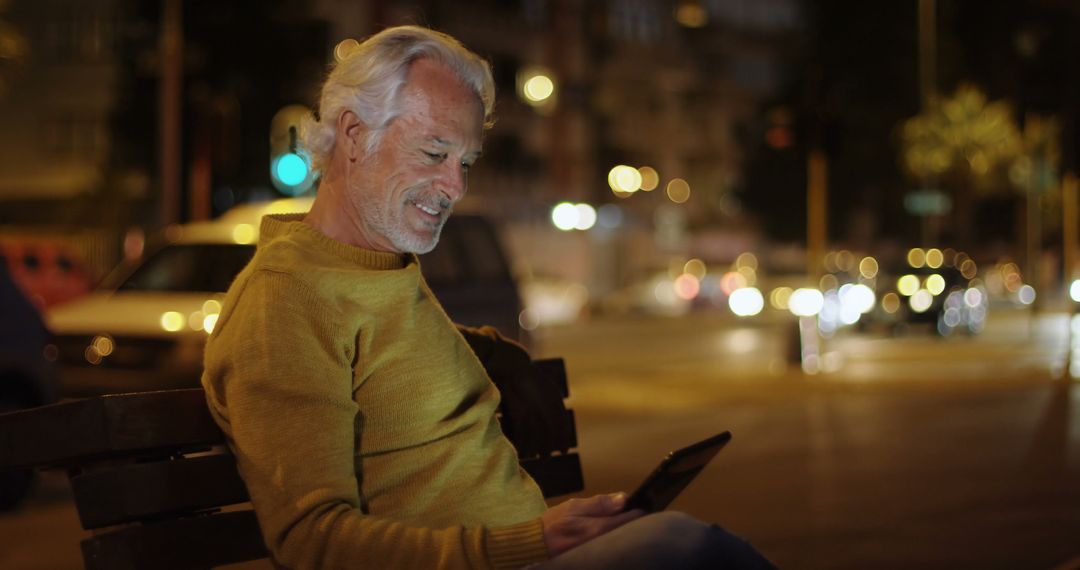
[(362, 421)]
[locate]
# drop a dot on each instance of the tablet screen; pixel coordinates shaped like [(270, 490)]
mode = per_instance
[(674, 474)]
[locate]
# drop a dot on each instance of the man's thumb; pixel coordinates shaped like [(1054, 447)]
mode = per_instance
[(604, 505)]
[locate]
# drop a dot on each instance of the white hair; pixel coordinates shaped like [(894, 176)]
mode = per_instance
[(370, 78)]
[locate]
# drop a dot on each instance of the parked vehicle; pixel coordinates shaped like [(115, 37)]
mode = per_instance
[(146, 328)]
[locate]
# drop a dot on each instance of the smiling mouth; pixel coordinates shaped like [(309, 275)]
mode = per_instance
[(436, 208), (427, 209)]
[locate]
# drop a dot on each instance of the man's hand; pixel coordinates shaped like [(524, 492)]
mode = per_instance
[(578, 521)]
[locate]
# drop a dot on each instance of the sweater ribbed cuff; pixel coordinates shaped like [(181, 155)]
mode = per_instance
[(517, 545)]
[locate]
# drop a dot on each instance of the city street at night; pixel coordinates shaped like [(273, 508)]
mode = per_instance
[(278, 236), (913, 452)]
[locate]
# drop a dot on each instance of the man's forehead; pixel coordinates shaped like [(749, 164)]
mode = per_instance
[(430, 78), (443, 142), (440, 107)]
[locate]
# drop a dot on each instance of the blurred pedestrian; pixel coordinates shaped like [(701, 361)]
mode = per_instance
[(25, 375)]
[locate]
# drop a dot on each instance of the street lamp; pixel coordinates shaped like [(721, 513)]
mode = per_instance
[(536, 86)]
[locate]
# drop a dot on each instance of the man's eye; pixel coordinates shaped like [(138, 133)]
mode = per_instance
[(435, 156), (465, 166)]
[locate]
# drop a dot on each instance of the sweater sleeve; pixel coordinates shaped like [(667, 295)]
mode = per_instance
[(279, 381)]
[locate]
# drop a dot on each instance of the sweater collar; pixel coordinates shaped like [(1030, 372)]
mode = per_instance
[(275, 226)]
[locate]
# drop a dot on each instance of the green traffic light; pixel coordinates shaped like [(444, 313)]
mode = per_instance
[(291, 169)]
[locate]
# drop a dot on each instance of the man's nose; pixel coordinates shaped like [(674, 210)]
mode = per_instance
[(453, 181)]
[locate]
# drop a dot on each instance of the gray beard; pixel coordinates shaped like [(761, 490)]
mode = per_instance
[(402, 238)]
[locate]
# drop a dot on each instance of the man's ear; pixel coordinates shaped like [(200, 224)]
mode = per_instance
[(350, 134)]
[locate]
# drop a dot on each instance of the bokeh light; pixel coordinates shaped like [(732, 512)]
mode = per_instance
[(859, 297), (890, 303), (103, 344), (172, 321), (934, 258), (623, 178), (920, 301), (687, 286), (211, 307), (344, 48), (845, 260), (1026, 294), (695, 267), (92, 355), (691, 14), (678, 190), (209, 322), (748, 274), (868, 267), (586, 217), (805, 302), (935, 284), (564, 216), (538, 88), (732, 281), (916, 257), (664, 292), (528, 320), (746, 259), (907, 285), (650, 179), (567, 216), (746, 302), (830, 262), (828, 282), (195, 320), (1074, 291), (968, 269), (973, 297), (779, 298)]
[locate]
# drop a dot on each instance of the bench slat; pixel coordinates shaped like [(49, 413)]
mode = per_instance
[(554, 370), (195, 542), (127, 493), (72, 433)]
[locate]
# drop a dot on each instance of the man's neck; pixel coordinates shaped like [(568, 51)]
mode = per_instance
[(334, 215)]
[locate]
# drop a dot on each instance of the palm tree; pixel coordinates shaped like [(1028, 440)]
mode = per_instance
[(967, 143)]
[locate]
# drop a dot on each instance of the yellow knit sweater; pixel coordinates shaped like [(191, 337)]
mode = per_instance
[(363, 425)]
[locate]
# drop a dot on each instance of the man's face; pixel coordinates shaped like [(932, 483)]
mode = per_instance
[(405, 190)]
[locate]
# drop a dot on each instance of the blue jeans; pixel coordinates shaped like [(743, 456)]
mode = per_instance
[(667, 540)]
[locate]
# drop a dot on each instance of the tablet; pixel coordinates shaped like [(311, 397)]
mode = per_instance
[(675, 473)]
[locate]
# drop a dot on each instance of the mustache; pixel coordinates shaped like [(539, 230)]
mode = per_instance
[(431, 199)]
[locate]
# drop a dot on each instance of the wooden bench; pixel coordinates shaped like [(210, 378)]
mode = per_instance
[(155, 484)]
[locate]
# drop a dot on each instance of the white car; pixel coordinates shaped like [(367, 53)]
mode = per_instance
[(145, 330)]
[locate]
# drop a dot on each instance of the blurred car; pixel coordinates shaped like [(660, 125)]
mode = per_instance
[(655, 294), (942, 298), (146, 328), (26, 378)]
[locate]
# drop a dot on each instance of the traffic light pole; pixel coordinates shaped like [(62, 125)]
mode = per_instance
[(169, 106), (816, 222)]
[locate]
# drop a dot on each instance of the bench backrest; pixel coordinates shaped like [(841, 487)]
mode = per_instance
[(153, 479)]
